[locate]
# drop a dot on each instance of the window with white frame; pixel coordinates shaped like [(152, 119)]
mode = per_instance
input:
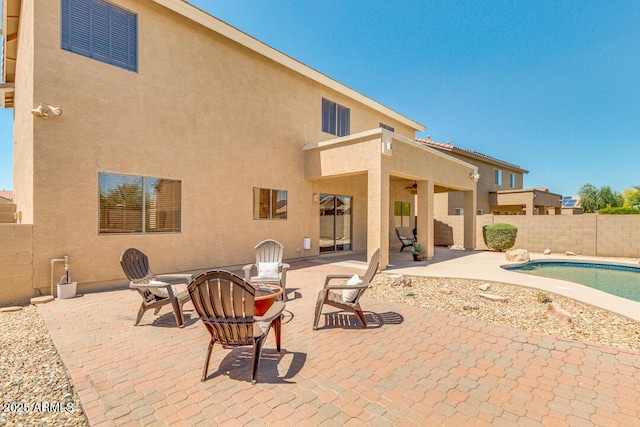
[(139, 204), (101, 31), (336, 119), (402, 214), (269, 203), (497, 177), (512, 180), (458, 211)]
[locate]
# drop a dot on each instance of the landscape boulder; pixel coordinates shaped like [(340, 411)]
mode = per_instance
[(519, 255)]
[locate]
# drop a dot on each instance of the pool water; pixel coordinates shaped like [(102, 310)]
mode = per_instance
[(623, 281)]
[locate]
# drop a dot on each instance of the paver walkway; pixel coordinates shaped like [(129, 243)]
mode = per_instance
[(411, 366)]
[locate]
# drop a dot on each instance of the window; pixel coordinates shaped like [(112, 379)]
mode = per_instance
[(497, 177), (458, 211), (480, 212), (402, 214), (335, 118), (137, 204), (512, 180), (387, 127), (101, 31), (269, 204)]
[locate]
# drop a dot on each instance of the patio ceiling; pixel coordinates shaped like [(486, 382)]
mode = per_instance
[(10, 21)]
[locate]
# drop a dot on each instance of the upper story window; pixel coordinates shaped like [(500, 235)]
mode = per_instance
[(497, 177), (101, 31), (336, 119), (138, 204), (269, 203), (512, 180), (387, 127)]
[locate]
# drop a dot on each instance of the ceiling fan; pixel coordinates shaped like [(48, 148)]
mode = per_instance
[(413, 187)]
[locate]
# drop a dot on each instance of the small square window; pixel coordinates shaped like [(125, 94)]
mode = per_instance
[(269, 203)]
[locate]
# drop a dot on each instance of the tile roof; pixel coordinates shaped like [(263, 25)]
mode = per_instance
[(448, 146), (6, 194)]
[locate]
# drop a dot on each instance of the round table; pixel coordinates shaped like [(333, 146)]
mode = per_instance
[(265, 295)]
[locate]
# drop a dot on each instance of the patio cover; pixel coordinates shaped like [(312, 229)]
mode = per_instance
[(381, 155)]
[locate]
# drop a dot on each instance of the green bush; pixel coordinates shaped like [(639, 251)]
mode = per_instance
[(499, 236), (618, 211)]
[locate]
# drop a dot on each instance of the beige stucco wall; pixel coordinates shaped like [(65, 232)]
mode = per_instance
[(16, 267), (201, 109)]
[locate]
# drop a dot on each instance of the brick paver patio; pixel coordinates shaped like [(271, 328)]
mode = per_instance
[(411, 366)]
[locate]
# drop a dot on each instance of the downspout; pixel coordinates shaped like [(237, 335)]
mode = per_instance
[(66, 268)]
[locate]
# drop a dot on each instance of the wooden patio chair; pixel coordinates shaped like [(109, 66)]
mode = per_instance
[(156, 291), (225, 304), (404, 240), (336, 296), (269, 266)]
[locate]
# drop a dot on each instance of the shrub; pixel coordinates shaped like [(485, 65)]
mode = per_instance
[(619, 211), (499, 236)]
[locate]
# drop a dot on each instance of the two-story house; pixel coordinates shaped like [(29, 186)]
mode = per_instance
[(152, 124)]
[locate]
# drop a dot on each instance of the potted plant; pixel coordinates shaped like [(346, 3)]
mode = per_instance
[(417, 250)]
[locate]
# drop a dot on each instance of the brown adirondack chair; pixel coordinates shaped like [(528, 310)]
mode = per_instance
[(156, 291), (332, 295), (225, 304), (268, 252)]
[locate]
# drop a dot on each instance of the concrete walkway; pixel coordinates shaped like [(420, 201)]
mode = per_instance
[(411, 366)]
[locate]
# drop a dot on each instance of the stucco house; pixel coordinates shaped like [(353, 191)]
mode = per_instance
[(152, 124), (500, 187)]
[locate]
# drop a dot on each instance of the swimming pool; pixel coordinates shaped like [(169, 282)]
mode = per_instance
[(620, 280)]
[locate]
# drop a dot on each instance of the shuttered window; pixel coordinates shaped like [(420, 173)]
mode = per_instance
[(335, 118), (136, 204), (102, 31)]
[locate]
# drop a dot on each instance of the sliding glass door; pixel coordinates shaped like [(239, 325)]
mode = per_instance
[(335, 223)]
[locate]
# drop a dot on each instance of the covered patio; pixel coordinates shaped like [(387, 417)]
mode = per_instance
[(385, 165)]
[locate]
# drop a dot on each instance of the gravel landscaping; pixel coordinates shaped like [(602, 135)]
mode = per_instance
[(524, 308)]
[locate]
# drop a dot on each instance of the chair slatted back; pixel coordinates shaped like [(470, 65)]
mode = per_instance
[(269, 251), (135, 265), (374, 263), (225, 303)]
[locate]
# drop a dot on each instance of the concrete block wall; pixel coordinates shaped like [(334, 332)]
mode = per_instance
[(588, 234), (16, 264)]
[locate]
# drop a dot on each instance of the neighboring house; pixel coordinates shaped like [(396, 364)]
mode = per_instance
[(6, 196), (571, 205), (500, 187), (154, 125)]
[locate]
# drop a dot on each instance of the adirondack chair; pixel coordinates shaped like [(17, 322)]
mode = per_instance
[(404, 240), (225, 304), (156, 291), (269, 266), (346, 296)]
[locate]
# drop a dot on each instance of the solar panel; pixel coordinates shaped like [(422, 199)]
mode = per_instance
[(571, 203)]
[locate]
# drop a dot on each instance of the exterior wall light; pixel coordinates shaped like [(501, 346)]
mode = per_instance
[(474, 176), (43, 111)]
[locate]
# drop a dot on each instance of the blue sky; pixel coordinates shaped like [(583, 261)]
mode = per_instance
[(549, 86)]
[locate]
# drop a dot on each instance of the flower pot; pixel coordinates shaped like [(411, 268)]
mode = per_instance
[(67, 290), (417, 257)]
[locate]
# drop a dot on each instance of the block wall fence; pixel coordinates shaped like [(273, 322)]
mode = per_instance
[(588, 234)]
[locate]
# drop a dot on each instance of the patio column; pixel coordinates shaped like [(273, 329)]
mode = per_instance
[(425, 217), (470, 207), (378, 214)]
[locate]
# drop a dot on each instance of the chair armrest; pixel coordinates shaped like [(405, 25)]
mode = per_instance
[(334, 287), (336, 277), (247, 271), (284, 266), (175, 277), (151, 284)]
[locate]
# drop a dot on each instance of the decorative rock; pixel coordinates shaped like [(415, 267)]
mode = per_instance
[(10, 309), (457, 247), (470, 307), (559, 313), (520, 255), (547, 252), (484, 287), (571, 253), (495, 298), (444, 290), (544, 298)]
